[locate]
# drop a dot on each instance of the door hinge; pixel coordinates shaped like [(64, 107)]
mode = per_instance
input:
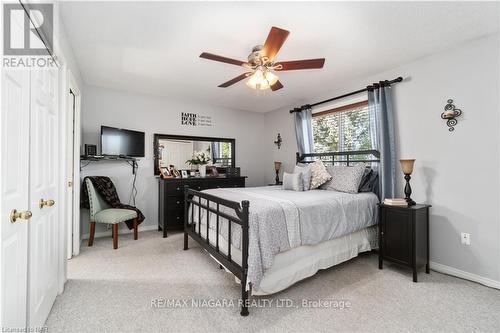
[(70, 183)]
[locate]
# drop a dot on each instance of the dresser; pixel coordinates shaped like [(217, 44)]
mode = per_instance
[(404, 236), (171, 197)]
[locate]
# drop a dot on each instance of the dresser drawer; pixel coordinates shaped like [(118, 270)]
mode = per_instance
[(177, 188), (175, 203), (234, 183), (175, 219)]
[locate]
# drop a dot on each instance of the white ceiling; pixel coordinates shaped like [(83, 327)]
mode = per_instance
[(153, 47)]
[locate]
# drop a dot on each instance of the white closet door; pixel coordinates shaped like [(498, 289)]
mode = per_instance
[(177, 153), (14, 120), (43, 231)]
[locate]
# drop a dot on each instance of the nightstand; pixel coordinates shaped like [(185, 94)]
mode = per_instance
[(404, 236)]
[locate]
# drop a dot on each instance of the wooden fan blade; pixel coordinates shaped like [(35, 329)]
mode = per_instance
[(274, 41), (276, 86), (300, 64), (219, 58), (233, 81)]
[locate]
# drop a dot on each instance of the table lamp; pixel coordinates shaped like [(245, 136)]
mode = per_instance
[(407, 167), (277, 167)]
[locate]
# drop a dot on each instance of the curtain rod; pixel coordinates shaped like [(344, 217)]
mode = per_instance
[(374, 85)]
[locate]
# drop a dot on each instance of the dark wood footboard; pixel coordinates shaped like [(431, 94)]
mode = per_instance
[(206, 202)]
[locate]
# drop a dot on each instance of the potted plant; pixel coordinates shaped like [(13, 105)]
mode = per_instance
[(201, 159)]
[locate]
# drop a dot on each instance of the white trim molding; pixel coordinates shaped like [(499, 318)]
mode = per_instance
[(121, 231), (464, 275)]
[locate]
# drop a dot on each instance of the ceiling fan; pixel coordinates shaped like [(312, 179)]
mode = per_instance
[(261, 63)]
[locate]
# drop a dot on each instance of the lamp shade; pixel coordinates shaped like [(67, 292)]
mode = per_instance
[(257, 81), (261, 79), (271, 78), (277, 166), (407, 166)]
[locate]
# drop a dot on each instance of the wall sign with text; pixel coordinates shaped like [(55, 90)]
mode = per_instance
[(194, 119)]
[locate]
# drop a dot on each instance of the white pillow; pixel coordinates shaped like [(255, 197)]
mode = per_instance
[(306, 176), (345, 178), (292, 181), (319, 175)]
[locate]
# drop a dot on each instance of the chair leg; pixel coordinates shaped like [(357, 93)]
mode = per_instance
[(91, 235), (115, 236), (135, 229)]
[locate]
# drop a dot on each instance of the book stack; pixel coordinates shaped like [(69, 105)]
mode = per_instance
[(395, 202)]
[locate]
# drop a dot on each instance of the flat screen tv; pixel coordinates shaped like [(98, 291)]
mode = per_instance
[(119, 141)]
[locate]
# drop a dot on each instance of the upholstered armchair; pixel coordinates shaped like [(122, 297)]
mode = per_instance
[(101, 212)]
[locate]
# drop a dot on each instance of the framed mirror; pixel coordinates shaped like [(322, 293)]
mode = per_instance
[(176, 150)]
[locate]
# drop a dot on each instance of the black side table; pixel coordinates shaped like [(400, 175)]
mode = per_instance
[(404, 236)]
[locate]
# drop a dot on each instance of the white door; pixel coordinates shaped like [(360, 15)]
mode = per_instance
[(14, 120), (43, 231)]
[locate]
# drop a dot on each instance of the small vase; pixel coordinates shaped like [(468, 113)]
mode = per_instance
[(202, 168)]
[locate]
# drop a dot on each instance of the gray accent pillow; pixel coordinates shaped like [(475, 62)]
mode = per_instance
[(292, 181), (368, 181), (345, 178), (306, 176)]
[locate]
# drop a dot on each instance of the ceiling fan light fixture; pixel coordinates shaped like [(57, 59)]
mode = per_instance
[(271, 78), (257, 81), (261, 65), (261, 79)]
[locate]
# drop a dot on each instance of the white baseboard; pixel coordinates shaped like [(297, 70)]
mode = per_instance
[(121, 231), (464, 275)]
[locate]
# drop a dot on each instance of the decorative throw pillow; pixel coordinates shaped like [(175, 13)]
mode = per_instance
[(319, 175), (365, 179), (345, 178), (292, 181), (368, 181), (306, 176)]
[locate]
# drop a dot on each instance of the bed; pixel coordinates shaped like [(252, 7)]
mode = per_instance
[(271, 238)]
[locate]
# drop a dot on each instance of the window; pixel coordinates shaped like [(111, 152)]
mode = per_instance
[(346, 128), (224, 154)]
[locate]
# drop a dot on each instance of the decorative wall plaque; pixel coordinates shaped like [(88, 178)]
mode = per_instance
[(194, 119)]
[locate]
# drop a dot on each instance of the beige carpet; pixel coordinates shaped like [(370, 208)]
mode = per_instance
[(112, 291)]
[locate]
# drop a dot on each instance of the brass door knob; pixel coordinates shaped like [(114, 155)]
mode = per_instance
[(48, 203), (14, 215)]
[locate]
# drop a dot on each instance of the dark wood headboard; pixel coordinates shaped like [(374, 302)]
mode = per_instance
[(342, 157)]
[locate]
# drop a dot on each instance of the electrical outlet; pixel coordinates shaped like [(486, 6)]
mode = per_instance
[(465, 237)]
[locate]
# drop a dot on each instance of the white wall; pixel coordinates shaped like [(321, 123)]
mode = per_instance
[(152, 115), (458, 172)]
